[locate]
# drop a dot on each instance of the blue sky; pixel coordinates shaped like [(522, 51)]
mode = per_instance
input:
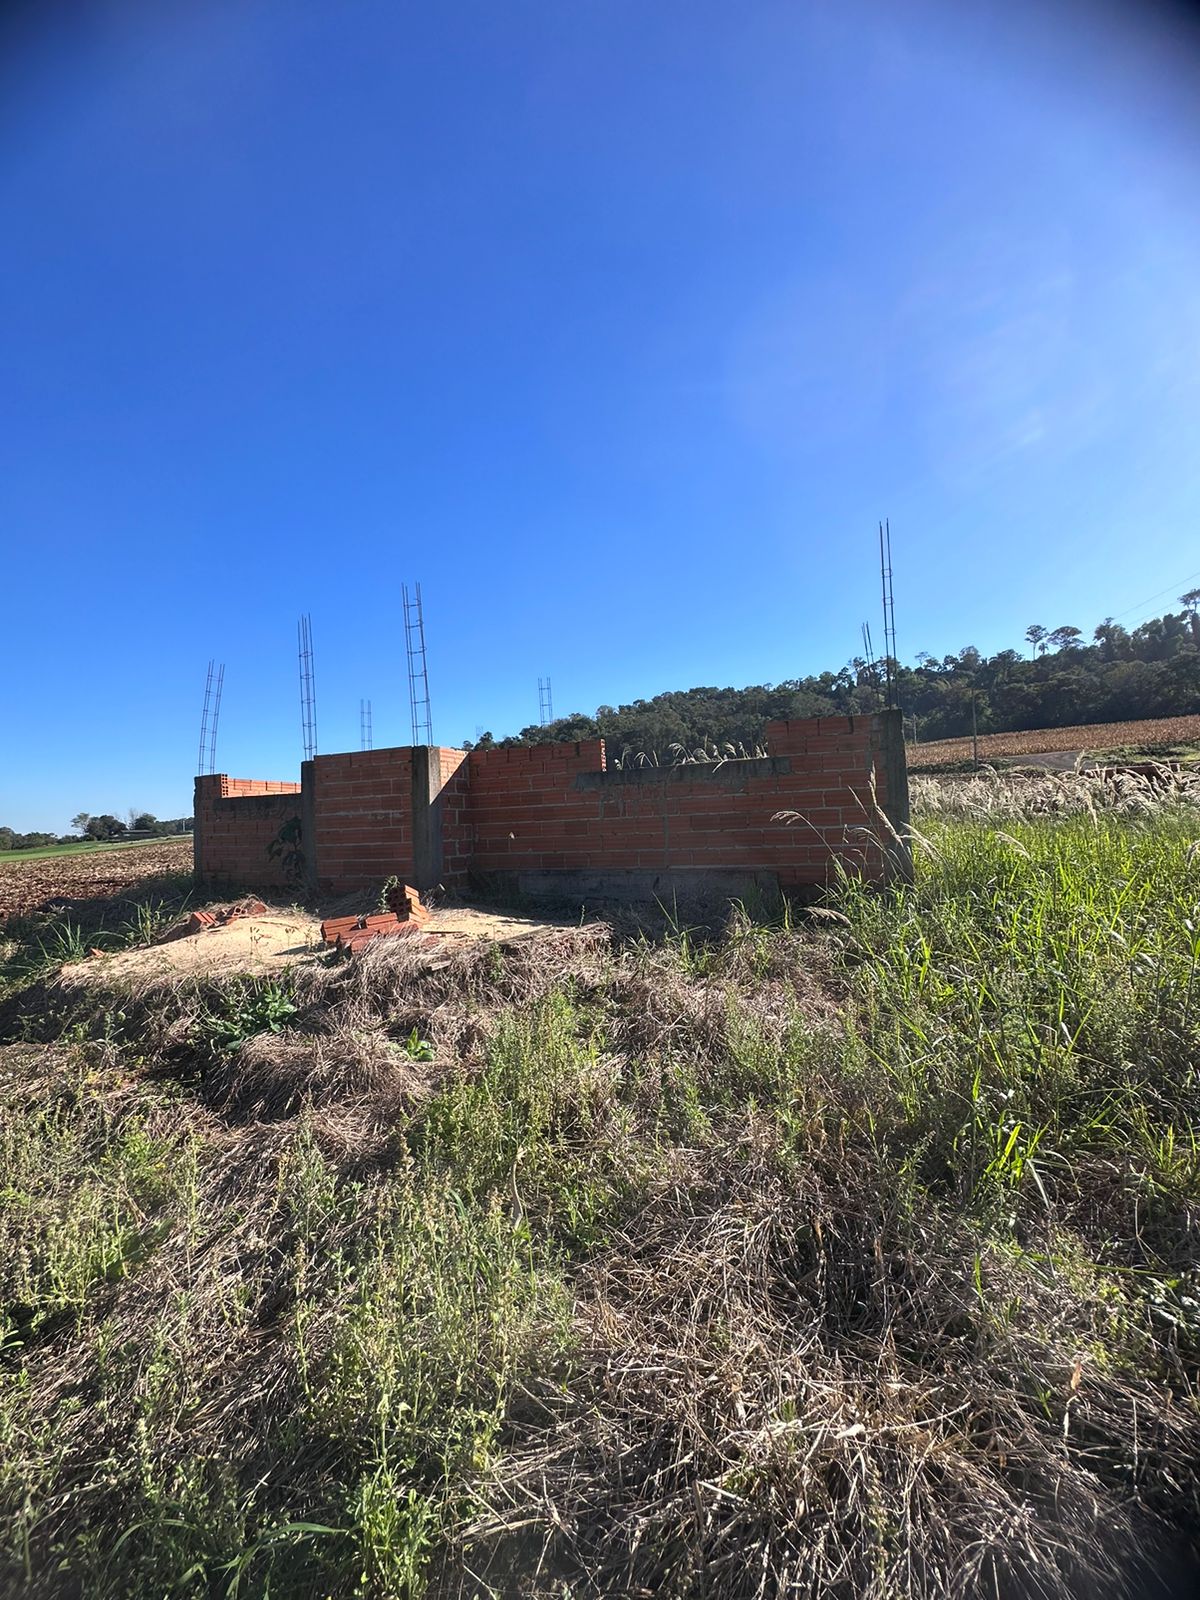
[(617, 325)]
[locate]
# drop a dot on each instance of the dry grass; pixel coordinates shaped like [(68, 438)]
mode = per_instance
[(789, 1388), (847, 1259), (1153, 788)]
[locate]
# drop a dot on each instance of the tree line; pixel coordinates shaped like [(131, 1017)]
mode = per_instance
[(1119, 675), (102, 829)]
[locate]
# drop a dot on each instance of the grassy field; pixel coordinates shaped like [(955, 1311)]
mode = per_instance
[(15, 857), (847, 1256)]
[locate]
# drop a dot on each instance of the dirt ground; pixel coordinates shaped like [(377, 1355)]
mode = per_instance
[(284, 938), (54, 883), (1064, 743), (88, 887)]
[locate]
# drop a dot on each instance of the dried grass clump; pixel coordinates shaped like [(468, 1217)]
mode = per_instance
[(788, 1387), (1147, 792), (852, 1258)]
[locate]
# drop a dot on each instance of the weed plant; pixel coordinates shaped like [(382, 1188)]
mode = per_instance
[(850, 1253)]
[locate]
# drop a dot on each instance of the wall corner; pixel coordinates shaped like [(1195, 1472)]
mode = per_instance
[(426, 816), (308, 824), (198, 829), (898, 843)]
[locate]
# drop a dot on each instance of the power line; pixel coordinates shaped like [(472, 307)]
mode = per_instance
[(545, 702), (1179, 582)]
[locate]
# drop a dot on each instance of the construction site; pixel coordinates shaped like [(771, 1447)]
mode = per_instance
[(557, 822)]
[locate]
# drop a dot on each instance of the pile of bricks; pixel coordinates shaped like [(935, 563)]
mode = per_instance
[(407, 916), (201, 921)]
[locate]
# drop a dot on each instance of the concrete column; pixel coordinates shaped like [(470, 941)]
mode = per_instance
[(308, 825), (896, 805), (198, 831), (426, 816)]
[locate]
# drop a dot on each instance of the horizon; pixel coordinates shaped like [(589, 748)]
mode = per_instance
[(617, 332), (1039, 651)]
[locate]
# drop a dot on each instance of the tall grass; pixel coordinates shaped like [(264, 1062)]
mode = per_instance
[(851, 1255), (1145, 789)]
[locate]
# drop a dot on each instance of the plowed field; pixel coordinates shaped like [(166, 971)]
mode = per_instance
[(42, 884), (1092, 736)]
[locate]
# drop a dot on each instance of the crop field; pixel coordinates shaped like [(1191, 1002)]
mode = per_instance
[(839, 1253), (80, 848), (34, 880), (1150, 734)]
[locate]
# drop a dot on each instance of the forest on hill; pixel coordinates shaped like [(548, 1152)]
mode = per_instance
[(1121, 675)]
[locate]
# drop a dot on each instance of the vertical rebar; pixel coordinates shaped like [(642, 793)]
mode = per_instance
[(204, 719), (308, 690), (212, 739), (418, 671), (891, 662)]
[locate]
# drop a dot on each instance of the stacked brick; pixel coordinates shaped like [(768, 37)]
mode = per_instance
[(524, 811), (362, 818), (349, 934), (454, 801), (436, 815), (529, 811), (237, 821)]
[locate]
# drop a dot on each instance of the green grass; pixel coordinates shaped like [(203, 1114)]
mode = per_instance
[(850, 1255), (39, 944), (82, 849)]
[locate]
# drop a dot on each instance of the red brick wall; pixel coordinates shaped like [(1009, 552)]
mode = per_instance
[(546, 807), (454, 771), (362, 806), (236, 821), (523, 807), (555, 807)]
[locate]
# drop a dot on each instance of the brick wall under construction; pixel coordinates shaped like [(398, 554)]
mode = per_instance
[(554, 818), (237, 821)]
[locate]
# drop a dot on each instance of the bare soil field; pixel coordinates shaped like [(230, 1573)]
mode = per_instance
[(1092, 736), (28, 886)]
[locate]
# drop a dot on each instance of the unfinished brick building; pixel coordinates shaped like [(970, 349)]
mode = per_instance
[(553, 821)]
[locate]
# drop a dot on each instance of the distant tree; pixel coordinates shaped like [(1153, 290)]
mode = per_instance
[(1065, 638), (142, 821), (1113, 640), (105, 827), (7, 836), (80, 821), (1002, 664), (1155, 671)]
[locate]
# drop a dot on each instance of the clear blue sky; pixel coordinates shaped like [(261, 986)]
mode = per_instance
[(617, 324)]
